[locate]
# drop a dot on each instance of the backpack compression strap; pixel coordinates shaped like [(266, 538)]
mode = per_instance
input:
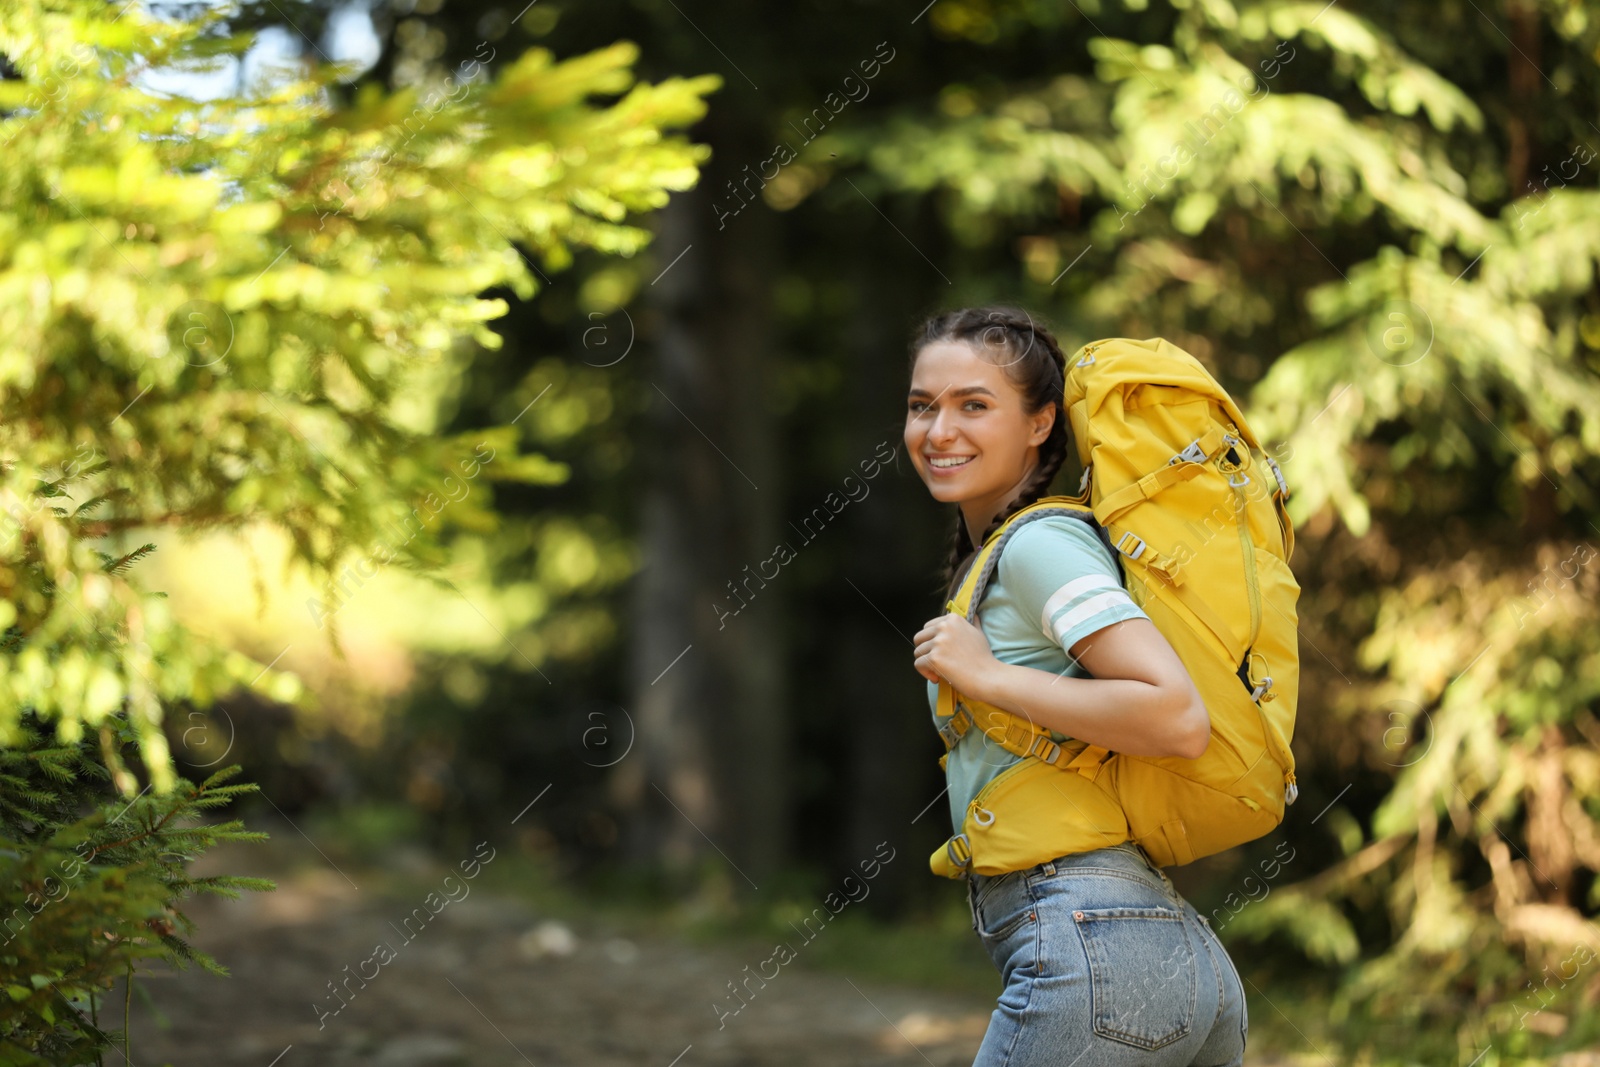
[(1016, 734)]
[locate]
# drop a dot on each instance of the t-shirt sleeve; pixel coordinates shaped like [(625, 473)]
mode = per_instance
[(1062, 575)]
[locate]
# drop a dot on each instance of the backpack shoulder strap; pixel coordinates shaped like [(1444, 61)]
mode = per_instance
[(975, 582), (969, 594)]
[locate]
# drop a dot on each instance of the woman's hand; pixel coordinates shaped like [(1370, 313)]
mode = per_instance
[(951, 649)]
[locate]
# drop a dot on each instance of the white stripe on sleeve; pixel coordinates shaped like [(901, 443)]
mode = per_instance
[(1087, 610), (1070, 592)]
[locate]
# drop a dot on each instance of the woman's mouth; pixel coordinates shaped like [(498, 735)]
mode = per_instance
[(948, 464)]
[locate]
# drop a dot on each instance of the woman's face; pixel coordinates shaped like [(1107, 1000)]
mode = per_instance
[(967, 430)]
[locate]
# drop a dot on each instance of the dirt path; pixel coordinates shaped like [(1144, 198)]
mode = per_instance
[(488, 982)]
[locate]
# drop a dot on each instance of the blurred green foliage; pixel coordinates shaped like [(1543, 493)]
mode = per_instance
[(249, 310), (1375, 222), (259, 323), (90, 889)]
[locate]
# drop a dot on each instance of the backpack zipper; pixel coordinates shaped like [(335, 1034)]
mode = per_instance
[(983, 794), (1249, 552)]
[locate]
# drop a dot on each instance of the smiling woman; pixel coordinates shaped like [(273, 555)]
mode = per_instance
[(1103, 961)]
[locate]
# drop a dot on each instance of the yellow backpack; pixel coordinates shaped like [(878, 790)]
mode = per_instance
[(1172, 485)]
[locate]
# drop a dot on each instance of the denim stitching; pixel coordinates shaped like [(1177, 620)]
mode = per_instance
[(1096, 985), (1038, 933), (1010, 926), (1117, 872), (1222, 993), (1244, 1027), (981, 893), (1244, 1018), (1032, 981)]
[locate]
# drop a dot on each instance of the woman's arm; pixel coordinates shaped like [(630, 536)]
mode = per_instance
[(1141, 700)]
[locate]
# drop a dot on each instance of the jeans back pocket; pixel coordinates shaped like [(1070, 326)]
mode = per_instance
[(1142, 973)]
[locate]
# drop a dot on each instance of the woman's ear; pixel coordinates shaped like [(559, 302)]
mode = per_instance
[(1040, 424)]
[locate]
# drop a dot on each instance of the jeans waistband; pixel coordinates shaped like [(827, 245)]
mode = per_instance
[(1126, 856)]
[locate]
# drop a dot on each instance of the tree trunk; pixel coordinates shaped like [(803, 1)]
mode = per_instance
[(712, 730), (665, 788), (750, 649)]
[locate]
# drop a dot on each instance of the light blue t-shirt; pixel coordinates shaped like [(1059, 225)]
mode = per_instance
[(1056, 583)]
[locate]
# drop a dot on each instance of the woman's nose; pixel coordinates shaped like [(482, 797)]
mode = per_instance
[(940, 429)]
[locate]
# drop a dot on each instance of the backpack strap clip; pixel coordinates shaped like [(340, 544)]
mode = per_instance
[(1138, 544), (1181, 467), (1192, 453), (960, 722), (1042, 747), (1260, 692), (1283, 486), (959, 849)]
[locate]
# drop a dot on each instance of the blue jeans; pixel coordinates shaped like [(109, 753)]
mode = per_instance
[(1104, 964)]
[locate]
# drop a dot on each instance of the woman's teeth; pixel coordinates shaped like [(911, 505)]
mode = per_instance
[(953, 462)]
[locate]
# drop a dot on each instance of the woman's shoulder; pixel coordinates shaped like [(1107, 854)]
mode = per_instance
[(1057, 568), (1052, 533), (1054, 548)]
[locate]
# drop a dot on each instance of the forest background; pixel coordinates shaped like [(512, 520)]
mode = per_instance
[(1377, 224)]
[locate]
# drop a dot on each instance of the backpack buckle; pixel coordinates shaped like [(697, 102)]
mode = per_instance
[(1044, 748), (954, 730), (959, 862), (1134, 553), (1191, 453), (1283, 486)]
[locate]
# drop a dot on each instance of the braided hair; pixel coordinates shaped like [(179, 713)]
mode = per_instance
[(1031, 358)]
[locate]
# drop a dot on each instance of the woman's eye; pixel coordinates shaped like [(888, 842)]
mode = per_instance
[(980, 405)]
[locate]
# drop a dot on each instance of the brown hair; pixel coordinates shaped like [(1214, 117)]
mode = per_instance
[(1032, 359)]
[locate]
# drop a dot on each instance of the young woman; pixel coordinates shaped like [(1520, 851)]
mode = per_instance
[(1060, 642)]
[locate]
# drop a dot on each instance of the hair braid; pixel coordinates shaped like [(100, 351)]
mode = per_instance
[(1034, 360)]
